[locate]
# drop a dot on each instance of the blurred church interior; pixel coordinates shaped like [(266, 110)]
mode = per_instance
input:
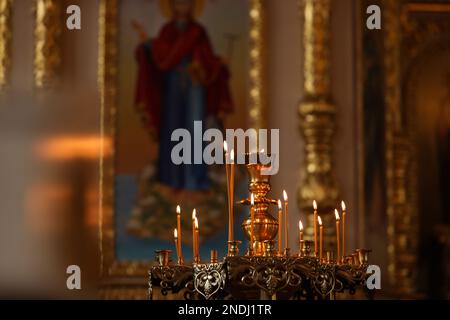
[(364, 115)]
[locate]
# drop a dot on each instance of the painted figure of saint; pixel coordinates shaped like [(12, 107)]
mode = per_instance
[(180, 80)]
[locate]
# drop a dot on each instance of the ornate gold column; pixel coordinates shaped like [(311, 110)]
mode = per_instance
[(256, 73), (317, 118), (47, 32), (5, 42)]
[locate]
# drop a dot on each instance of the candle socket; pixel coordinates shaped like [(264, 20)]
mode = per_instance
[(163, 257), (269, 248), (363, 256), (348, 259), (214, 256), (305, 246), (196, 260), (287, 252), (329, 257), (250, 251), (355, 256), (180, 261), (233, 248)]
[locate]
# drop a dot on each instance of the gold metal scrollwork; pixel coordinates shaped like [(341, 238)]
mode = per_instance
[(47, 51), (5, 42), (257, 86), (317, 113)]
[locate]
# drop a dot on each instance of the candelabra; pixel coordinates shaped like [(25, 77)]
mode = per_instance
[(262, 272)]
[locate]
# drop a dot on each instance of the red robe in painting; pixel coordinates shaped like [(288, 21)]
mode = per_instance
[(167, 50)]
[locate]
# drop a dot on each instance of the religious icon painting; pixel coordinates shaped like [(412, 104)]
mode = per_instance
[(164, 65)]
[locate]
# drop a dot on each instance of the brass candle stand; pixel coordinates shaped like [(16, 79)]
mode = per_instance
[(265, 225), (261, 272), (301, 277)]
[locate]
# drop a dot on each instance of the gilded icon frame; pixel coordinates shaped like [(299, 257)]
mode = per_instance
[(110, 267)]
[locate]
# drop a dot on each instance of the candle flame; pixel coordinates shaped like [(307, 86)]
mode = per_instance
[(225, 146), (336, 214), (194, 214), (319, 220), (178, 209), (315, 205), (285, 197), (232, 155), (196, 223), (300, 225), (343, 205), (175, 233), (279, 204), (262, 151), (252, 199)]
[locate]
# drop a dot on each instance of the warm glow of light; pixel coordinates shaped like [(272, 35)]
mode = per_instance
[(225, 146), (300, 225), (252, 199), (175, 233), (279, 204), (285, 197), (232, 155), (343, 205), (194, 214), (196, 223), (70, 147), (336, 214), (319, 220), (262, 151), (315, 205), (178, 209)]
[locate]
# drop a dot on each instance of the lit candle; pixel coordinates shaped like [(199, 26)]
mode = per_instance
[(197, 245), (227, 169), (321, 237), (175, 237), (300, 237), (231, 210), (338, 237), (343, 226), (286, 219), (300, 230), (179, 230), (252, 219), (194, 217), (280, 229), (315, 228)]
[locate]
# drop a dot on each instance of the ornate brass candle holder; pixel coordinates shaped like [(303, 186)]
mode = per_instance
[(163, 257), (261, 274), (265, 225)]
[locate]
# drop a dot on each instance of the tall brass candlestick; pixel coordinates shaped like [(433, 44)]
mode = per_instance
[(338, 237), (315, 228), (194, 217), (343, 226), (321, 238), (252, 218), (197, 241), (286, 219), (175, 238), (179, 230), (280, 229)]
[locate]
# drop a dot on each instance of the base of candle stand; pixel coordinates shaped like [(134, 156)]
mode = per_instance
[(245, 277), (233, 248)]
